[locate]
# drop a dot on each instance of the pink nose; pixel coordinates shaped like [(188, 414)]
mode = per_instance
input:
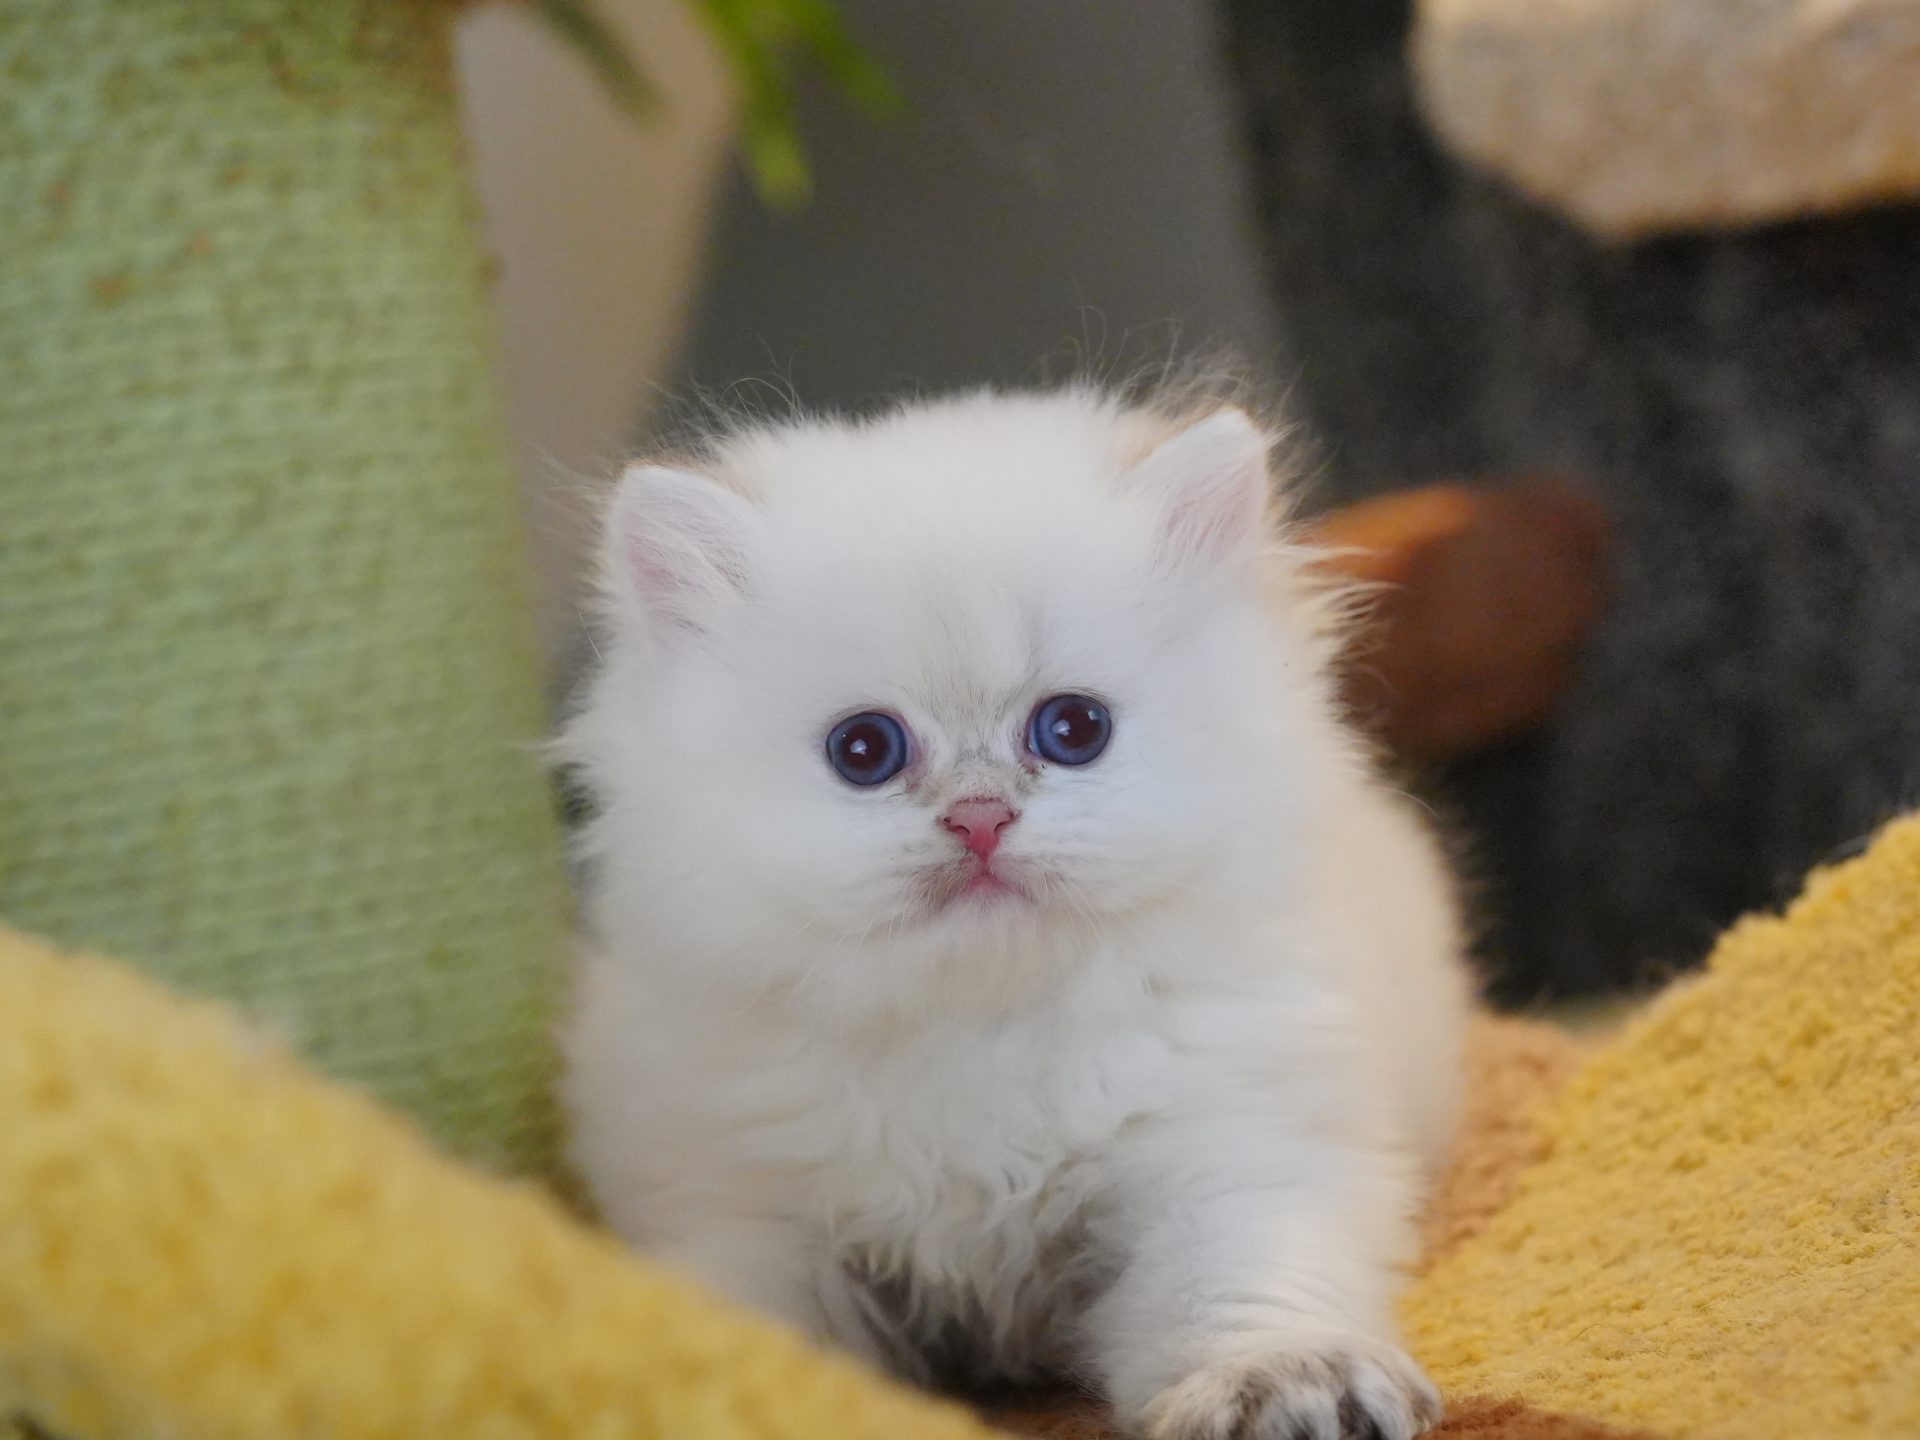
[(978, 822)]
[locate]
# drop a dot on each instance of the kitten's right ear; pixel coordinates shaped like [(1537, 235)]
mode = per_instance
[(679, 546)]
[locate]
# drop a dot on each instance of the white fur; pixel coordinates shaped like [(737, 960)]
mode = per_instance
[(1160, 1126)]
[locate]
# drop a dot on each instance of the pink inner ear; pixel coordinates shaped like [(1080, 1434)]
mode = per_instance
[(657, 580), (1205, 529)]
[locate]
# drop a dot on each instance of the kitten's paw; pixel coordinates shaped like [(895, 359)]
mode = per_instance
[(1307, 1387)]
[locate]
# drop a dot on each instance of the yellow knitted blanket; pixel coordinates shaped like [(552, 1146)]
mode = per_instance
[(1724, 1236), (1714, 1235), (200, 1240)]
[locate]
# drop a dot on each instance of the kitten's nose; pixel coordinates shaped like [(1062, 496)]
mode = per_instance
[(978, 822)]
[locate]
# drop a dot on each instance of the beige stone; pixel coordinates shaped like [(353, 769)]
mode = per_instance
[(1638, 116)]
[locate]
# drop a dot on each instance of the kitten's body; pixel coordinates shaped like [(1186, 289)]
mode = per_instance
[(1154, 1116)]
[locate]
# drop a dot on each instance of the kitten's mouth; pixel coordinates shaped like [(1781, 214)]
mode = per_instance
[(970, 884)]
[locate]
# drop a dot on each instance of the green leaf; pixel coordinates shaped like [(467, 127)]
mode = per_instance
[(585, 28), (765, 43)]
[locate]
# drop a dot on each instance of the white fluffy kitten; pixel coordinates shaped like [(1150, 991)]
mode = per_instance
[(991, 1037)]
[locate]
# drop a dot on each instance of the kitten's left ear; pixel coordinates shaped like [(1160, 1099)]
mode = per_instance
[(1211, 483)]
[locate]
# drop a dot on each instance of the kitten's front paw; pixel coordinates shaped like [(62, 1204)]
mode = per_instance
[(1306, 1387)]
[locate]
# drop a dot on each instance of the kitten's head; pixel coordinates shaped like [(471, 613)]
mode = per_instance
[(933, 700)]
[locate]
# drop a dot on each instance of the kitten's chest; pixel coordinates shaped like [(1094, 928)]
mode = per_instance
[(983, 1147), (966, 1199)]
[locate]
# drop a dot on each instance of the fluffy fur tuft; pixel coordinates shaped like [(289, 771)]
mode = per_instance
[(1148, 1104)]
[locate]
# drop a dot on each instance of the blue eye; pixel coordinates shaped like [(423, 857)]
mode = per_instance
[(1069, 730), (868, 749)]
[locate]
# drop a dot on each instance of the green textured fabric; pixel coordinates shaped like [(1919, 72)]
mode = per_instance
[(266, 677)]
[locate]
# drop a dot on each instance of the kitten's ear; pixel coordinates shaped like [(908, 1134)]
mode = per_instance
[(1211, 484), (679, 546)]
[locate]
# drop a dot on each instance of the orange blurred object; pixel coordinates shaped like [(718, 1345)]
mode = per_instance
[(1487, 594)]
